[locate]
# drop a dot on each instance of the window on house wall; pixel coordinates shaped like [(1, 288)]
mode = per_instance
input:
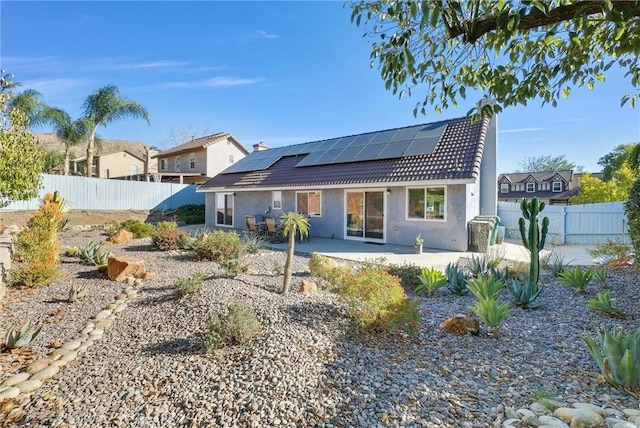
[(276, 200), (177, 163), (164, 165), (557, 186), (309, 203), (224, 209), (504, 187), (133, 170), (531, 187), (426, 203), (231, 160), (192, 161)]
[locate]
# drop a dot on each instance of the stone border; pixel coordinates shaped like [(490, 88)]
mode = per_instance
[(39, 371)]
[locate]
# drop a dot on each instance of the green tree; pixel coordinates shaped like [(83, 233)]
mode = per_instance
[(594, 190), (103, 107), (613, 160), (70, 132), (547, 163), (21, 158), (632, 210), (52, 160), (293, 223), (29, 102), (513, 51)]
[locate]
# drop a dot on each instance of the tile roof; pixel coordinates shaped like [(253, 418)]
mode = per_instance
[(542, 176), (103, 146), (201, 143), (457, 156)]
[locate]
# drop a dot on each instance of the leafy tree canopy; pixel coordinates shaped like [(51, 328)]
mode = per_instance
[(511, 50), (547, 163), (613, 161), (594, 190)]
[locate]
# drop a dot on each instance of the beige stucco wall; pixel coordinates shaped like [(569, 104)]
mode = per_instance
[(118, 165), (209, 161), (200, 167)]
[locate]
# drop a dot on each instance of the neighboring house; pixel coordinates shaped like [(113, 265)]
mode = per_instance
[(379, 187), (113, 158), (198, 160), (552, 187)]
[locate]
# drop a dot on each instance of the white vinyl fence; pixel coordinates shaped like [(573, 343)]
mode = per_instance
[(587, 224), (83, 193)]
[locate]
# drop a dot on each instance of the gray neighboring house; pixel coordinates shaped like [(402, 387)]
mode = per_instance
[(380, 187), (551, 187)]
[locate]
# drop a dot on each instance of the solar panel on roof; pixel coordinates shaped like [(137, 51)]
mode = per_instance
[(347, 154), (421, 146), (405, 133), (383, 137), (393, 150), (342, 143), (327, 157), (362, 140), (310, 159), (433, 130), (323, 146), (369, 152)]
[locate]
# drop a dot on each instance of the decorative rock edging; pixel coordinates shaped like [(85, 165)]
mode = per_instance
[(583, 415), (47, 367)]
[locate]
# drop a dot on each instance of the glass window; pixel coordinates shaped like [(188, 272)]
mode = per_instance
[(557, 186), (133, 169), (504, 187), (309, 203), (177, 163), (164, 164), (276, 200), (426, 203), (531, 187), (192, 161), (224, 209), (231, 160)]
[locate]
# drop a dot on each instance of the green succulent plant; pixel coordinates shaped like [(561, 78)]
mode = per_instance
[(576, 278), (490, 312), (21, 337), (533, 237), (603, 303), (600, 276), (456, 280), (523, 292), (94, 253), (485, 287), (78, 291), (618, 358), (431, 280)]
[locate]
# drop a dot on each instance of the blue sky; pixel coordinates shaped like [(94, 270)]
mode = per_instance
[(278, 72)]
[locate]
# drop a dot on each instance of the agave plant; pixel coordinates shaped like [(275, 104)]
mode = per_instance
[(576, 278), (431, 280), (78, 291), (22, 337), (456, 279), (600, 276), (523, 292), (603, 303), (94, 253), (478, 265), (490, 312), (618, 358), (485, 287)]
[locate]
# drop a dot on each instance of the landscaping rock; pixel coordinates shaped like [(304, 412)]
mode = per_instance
[(38, 365), (29, 386), (579, 418), (119, 268), (16, 379), (121, 237), (461, 324), (46, 373), (307, 286), (9, 393)]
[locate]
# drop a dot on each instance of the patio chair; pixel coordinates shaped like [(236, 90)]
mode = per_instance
[(273, 230), (253, 226)]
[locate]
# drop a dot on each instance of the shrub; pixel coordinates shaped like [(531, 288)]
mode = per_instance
[(576, 278), (190, 285), (485, 287), (612, 253), (237, 326), (168, 237), (490, 312), (632, 209), (219, 245), (556, 264), (600, 276), (379, 302), (431, 280), (408, 273), (456, 279), (618, 357), (321, 266), (253, 242), (232, 267), (192, 214), (137, 228), (111, 228), (603, 303)]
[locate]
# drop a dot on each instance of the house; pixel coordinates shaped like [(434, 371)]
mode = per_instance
[(379, 187), (552, 187), (118, 159), (196, 161)]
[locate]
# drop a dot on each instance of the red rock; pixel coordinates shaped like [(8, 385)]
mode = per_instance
[(119, 268), (122, 237)]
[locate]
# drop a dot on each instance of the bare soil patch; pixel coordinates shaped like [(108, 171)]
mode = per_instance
[(89, 217)]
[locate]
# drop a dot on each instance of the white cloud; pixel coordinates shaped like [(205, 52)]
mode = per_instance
[(55, 86), (263, 34), (214, 82), (148, 65), (519, 130)]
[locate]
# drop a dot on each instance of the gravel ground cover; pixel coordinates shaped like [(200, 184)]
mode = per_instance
[(307, 367)]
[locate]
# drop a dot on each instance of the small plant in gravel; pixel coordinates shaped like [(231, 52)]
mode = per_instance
[(235, 327), (431, 279), (576, 278), (111, 228), (478, 265), (190, 285), (192, 214), (278, 267), (253, 242), (556, 264), (78, 291), (612, 253), (219, 245), (167, 237), (523, 292), (232, 267), (618, 358), (409, 274), (494, 256), (137, 228), (72, 252), (604, 303), (379, 303), (485, 287), (491, 313), (456, 280), (17, 338), (600, 277), (93, 253)]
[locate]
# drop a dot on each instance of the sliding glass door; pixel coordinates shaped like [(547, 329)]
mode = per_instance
[(365, 214)]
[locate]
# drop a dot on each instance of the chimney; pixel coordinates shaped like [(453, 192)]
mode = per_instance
[(260, 146)]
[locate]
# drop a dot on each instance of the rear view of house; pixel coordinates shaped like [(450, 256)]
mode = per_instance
[(381, 187)]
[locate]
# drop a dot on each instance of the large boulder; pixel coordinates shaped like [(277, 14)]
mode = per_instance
[(121, 237), (119, 268), (461, 324)]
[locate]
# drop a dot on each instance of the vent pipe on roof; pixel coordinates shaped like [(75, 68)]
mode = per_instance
[(260, 146)]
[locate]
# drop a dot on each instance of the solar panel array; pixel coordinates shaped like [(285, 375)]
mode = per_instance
[(390, 144)]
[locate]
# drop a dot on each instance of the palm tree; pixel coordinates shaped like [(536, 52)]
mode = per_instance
[(71, 133), (292, 223), (29, 103), (103, 107)]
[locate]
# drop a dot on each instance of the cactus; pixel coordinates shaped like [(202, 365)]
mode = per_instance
[(22, 337), (534, 238), (94, 253), (77, 292)]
